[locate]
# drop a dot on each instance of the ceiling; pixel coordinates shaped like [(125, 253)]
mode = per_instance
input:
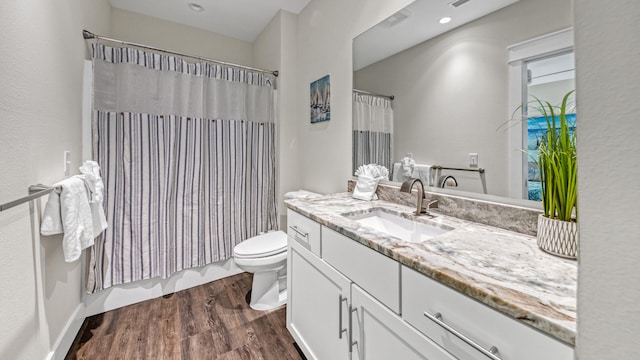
[(240, 19), (392, 36)]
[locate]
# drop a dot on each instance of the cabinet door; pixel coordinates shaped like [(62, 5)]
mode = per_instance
[(378, 333), (317, 308)]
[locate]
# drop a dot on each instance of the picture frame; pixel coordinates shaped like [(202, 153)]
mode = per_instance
[(320, 100)]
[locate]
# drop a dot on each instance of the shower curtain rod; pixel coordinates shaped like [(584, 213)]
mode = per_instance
[(390, 97), (88, 35)]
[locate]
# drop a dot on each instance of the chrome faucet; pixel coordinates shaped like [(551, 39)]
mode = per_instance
[(422, 205)]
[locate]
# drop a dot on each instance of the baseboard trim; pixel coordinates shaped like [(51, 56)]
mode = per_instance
[(128, 294), (65, 340)]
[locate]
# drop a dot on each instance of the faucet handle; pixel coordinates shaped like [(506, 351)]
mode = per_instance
[(430, 204)]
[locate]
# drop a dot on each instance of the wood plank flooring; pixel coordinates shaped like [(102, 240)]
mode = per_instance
[(212, 321)]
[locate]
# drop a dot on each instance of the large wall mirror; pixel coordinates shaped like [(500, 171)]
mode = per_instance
[(447, 66)]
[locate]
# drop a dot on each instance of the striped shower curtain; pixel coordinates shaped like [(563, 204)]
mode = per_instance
[(372, 131), (188, 160)]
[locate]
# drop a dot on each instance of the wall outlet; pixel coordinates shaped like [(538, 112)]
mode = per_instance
[(473, 159)]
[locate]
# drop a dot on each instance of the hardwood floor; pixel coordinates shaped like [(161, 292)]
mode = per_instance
[(212, 321)]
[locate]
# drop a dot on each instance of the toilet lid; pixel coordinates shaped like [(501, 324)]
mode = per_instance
[(267, 244)]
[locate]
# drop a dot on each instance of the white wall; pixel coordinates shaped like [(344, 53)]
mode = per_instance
[(451, 92), (608, 80), (138, 28), (41, 67), (276, 48), (325, 32)]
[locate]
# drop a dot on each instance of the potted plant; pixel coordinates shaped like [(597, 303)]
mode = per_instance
[(557, 227)]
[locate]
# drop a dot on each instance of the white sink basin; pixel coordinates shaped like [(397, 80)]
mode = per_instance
[(399, 227)]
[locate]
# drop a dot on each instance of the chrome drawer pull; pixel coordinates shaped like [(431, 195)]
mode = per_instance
[(491, 353), (351, 342), (340, 329), (295, 228)]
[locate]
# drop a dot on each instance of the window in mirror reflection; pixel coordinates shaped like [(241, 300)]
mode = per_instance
[(548, 79)]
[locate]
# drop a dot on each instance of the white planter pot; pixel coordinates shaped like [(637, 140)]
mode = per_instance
[(558, 237)]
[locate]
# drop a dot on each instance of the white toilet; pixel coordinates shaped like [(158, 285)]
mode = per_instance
[(265, 256)]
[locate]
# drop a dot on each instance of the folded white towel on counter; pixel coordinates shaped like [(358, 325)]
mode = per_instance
[(368, 178), (366, 188), (373, 170)]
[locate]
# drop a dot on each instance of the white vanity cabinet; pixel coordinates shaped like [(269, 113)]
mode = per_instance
[(318, 304), (326, 311), (348, 301)]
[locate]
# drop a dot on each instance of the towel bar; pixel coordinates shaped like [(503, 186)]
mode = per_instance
[(437, 167), (35, 191)]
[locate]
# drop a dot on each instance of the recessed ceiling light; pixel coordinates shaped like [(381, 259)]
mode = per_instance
[(444, 20), (196, 7)]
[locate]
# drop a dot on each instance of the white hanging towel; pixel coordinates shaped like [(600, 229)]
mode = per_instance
[(68, 211), (95, 188)]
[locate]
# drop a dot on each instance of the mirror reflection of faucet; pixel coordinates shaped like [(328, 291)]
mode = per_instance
[(423, 205), (447, 181)]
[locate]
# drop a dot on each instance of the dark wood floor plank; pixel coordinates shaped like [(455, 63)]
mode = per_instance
[(272, 344), (199, 346), (193, 312), (165, 339), (243, 353), (95, 350), (212, 321)]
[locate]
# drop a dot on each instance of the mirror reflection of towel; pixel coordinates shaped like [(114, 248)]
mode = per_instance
[(407, 165), (420, 171)]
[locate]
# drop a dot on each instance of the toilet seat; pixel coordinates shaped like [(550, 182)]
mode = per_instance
[(263, 245)]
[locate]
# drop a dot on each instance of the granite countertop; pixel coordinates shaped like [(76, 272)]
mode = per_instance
[(502, 269)]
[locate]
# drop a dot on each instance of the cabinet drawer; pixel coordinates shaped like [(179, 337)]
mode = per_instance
[(375, 273), (304, 230), (486, 326)]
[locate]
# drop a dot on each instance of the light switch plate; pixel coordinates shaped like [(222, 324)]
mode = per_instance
[(67, 163), (473, 159)]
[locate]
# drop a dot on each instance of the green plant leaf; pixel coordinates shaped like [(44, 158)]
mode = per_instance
[(557, 160)]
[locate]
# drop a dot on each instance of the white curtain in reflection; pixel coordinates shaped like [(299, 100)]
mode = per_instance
[(372, 130)]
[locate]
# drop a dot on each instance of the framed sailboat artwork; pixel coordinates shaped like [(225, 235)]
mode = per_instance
[(320, 100)]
